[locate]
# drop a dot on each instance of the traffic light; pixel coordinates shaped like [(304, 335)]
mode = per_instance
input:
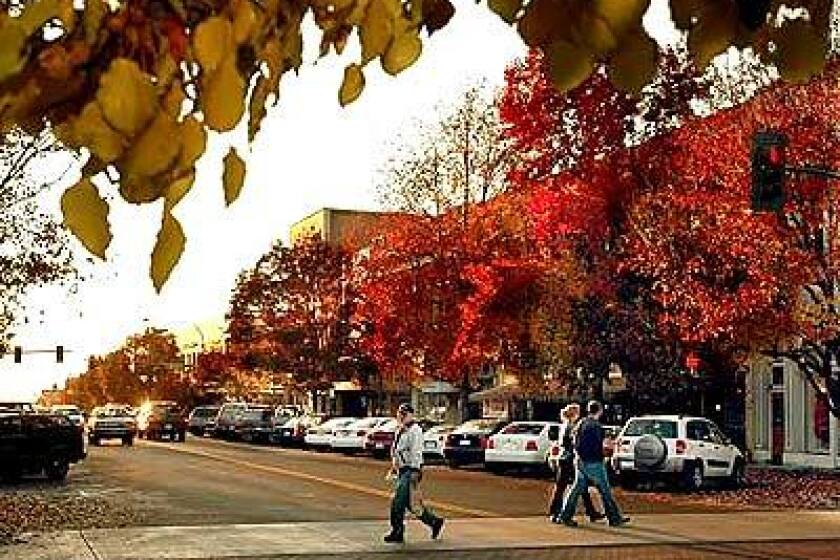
[(768, 171), (18, 354), (59, 354)]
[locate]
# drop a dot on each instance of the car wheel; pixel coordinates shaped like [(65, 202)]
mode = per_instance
[(128, 440), (57, 468), (693, 477), (453, 463), (94, 441), (738, 476), (494, 468)]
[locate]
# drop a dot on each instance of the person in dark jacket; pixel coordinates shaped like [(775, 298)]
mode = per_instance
[(565, 474), (589, 447)]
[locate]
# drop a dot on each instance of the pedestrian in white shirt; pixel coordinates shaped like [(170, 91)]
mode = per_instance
[(407, 469)]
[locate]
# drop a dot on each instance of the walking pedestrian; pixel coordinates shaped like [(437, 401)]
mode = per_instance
[(407, 468), (565, 475), (589, 445)]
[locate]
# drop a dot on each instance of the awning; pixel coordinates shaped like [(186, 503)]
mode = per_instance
[(515, 392), (438, 387)]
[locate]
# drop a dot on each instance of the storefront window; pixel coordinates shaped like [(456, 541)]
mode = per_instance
[(818, 423)]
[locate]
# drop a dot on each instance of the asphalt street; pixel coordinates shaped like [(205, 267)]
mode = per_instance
[(204, 481)]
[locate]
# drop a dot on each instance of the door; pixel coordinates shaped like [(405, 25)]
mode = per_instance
[(777, 411), (698, 434), (727, 450), (719, 457)]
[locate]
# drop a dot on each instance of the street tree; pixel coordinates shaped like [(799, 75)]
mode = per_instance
[(114, 78), (33, 247)]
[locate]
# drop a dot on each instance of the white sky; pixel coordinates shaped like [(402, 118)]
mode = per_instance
[(309, 154)]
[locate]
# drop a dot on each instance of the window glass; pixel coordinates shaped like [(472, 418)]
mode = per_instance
[(698, 430), (663, 428), (524, 429), (554, 433)]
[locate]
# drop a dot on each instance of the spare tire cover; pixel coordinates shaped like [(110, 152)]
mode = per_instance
[(650, 451)]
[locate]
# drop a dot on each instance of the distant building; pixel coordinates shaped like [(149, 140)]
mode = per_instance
[(337, 227)]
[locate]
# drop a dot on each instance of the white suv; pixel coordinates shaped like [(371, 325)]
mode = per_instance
[(685, 449)]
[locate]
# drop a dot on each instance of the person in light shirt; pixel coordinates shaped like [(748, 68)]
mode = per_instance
[(407, 472)]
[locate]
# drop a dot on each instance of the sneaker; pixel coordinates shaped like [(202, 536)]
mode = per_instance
[(566, 522), (619, 522), (394, 538), (597, 517), (437, 527)]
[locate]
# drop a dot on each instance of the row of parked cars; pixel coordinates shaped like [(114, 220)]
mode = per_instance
[(684, 450)]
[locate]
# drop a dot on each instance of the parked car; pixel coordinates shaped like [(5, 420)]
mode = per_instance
[(465, 445), (159, 419), (434, 440), (686, 450), (224, 425), (254, 424), (112, 421), (19, 406), (71, 411), (202, 420), (351, 438), (321, 436), (378, 441), (293, 432), (522, 444), (33, 443)]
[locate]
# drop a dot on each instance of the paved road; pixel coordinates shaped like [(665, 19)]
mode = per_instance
[(206, 481)]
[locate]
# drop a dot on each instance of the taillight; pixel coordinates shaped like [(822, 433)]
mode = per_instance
[(555, 451), (488, 443), (681, 446), (531, 446)]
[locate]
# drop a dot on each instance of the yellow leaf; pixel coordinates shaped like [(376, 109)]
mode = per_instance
[(506, 9), (244, 21), (633, 65), (256, 107), (140, 189), (95, 12), (713, 34), (178, 189), (223, 102), (89, 129), (800, 51), (402, 53), (86, 215), (377, 29), (213, 41), (233, 176), (594, 32), (38, 13), (173, 100), (155, 149), (622, 16), (193, 143), (569, 64), (352, 86), (545, 21), (168, 250), (12, 40), (126, 96)]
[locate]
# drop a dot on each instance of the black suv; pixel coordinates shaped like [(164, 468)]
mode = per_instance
[(38, 443)]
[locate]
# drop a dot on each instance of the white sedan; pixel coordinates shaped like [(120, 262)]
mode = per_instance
[(352, 437), (522, 444), (434, 440), (322, 436)]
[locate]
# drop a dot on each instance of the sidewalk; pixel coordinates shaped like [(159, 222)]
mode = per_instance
[(362, 539)]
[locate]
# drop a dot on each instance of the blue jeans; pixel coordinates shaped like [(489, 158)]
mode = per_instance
[(595, 473), (407, 498)]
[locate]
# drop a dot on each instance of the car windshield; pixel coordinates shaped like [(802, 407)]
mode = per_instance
[(524, 429), (205, 412), (111, 412), (368, 423), (389, 425), (257, 414), (440, 430), (477, 426), (663, 428)]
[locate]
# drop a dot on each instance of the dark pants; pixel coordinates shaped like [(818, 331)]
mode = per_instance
[(564, 477), (407, 497), (596, 474)]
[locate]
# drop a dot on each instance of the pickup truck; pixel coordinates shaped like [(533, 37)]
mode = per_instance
[(33, 443), (112, 421)]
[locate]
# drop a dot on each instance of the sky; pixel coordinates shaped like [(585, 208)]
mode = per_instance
[(309, 154)]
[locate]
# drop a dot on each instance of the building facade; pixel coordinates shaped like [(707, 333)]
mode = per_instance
[(786, 423), (336, 227)]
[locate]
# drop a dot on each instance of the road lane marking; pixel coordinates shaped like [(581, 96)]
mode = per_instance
[(328, 481)]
